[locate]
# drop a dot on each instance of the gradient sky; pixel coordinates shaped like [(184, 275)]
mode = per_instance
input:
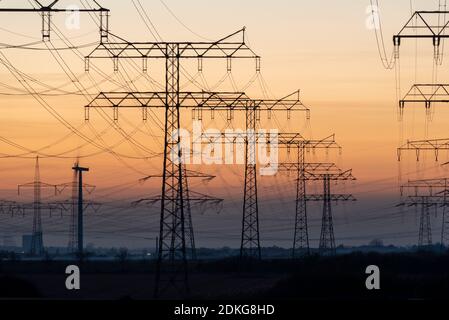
[(322, 47)]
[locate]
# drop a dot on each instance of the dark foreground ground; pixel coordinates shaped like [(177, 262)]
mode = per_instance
[(408, 276)]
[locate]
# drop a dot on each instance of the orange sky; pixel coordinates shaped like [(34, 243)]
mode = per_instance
[(322, 47)]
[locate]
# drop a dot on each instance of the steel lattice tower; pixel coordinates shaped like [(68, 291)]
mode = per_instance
[(304, 172), (190, 236), (425, 229), (172, 235), (301, 245), (425, 194), (172, 245), (37, 243), (445, 228), (250, 242), (327, 238)]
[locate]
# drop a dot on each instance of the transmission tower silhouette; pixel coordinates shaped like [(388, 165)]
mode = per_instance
[(327, 238), (172, 238), (445, 223), (250, 241), (37, 242), (301, 246), (426, 194)]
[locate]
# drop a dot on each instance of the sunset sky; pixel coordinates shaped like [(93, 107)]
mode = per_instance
[(322, 47)]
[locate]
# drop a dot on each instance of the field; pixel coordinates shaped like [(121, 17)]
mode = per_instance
[(417, 275)]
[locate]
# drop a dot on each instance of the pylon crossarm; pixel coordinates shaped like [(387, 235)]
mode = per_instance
[(422, 24), (46, 12), (22, 207), (429, 144), (67, 205), (427, 94), (318, 171), (89, 188), (437, 182), (428, 186), (37, 184), (289, 141), (333, 175), (188, 173), (230, 102), (239, 137), (425, 189), (429, 201), (333, 197), (228, 47), (53, 8), (288, 103), (311, 167), (283, 140), (435, 145), (194, 197), (198, 102)]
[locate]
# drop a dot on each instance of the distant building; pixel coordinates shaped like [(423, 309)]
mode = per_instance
[(27, 240)]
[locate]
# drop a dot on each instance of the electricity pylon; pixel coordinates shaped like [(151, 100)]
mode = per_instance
[(435, 145), (37, 242), (327, 237), (301, 245), (445, 220), (427, 193), (250, 240), (172, 222), (46, 11)]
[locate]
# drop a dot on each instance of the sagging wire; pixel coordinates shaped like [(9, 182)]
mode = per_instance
[(439, 54), (387, 62)]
